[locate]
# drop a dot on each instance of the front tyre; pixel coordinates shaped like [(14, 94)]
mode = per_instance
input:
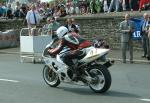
[(50, 77), (101, 78)]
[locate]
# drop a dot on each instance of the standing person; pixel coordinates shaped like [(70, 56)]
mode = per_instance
[(83, 5), (45, 27), (76, 6), (144, 34), (52, 27), (105, 6), (95, 6), (71, 27), (77, 30), (69, 7), (133, 5), (1, 10), (63, 11), (17, 10), (9, 12), (142, 4), (23, 11), (123, 3), (114, 3), (33, 18), (57, 12), (148, 57), (127, 28)]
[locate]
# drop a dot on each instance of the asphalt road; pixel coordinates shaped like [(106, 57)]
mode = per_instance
[(23, 83)]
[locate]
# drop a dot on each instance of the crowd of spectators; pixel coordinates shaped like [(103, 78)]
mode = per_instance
[(61, 8)]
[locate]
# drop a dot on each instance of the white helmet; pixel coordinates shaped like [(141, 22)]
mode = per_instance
[(61, 31)]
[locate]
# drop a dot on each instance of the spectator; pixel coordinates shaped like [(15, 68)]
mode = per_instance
[(77, 30), (83, 5), (52, 7), (63, 11), (95, 6), (148, 57), (45, 27), (114, 3), (17, 5), (69, 7), (42, 13), (1, 10), (133, 5), (105, 6), (131, 2), (100, 43), (33, 18), (53, 26), (17, 12), (123, 3), (57, 12), (23, 11), (48, 10), (143, 3), (4, 10), (127, 28), (38, 4), (9, 12), (144, 34), (76, 6), (71, 27)]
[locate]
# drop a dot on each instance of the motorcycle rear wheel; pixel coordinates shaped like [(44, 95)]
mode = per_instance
[(50, 77), (101, 78)]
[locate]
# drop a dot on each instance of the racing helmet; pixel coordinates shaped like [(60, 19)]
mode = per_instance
[(61, 31)]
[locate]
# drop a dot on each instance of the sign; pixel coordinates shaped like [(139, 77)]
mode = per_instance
[(138, 23)]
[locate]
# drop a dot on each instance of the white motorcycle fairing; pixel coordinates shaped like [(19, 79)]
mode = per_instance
[(93, 53), (59, 67), (92, 74)]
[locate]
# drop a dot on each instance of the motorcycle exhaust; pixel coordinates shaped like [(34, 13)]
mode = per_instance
[(109, 63)]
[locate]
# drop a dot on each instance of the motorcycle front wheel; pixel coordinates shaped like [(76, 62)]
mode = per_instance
[(50, 77), (101, 78)]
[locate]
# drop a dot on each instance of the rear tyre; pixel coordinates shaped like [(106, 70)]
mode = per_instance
[(50, 77), (101, 78)]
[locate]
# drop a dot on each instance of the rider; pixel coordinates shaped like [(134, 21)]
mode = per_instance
[(71, 41)]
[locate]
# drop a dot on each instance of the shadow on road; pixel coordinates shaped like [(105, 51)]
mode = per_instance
[(121, 94), (88, 91)]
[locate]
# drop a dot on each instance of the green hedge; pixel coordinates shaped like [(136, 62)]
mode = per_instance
[(1, 1)]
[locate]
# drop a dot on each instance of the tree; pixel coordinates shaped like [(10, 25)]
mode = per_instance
[(1, 1)]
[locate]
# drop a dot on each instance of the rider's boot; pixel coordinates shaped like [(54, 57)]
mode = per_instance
[(74, 77)]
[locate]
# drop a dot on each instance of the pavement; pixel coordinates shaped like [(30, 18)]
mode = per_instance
[(114, 54)]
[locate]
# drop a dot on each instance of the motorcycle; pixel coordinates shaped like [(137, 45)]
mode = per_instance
[(92, 73)]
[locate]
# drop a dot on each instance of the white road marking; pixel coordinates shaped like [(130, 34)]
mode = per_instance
[(147, 100), (8, 80)]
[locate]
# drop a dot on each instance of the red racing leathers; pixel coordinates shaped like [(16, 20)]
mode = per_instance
[(72, 41)]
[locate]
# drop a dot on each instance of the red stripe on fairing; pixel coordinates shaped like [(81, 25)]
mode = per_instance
[(73, 47)]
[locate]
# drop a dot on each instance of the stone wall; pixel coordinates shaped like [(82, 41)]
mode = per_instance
[(104, 26), (6, 24), (92, 26), (9, 24)]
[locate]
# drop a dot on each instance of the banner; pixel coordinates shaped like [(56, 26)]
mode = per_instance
[(138, 23)]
